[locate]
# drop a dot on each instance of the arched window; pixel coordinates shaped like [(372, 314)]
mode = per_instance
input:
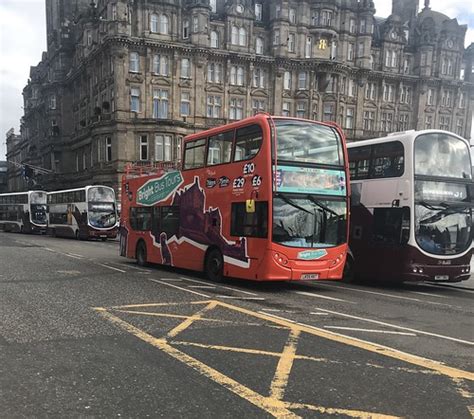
[(164, 24), (240, 76), (154, 23), (235, 35), (186, 29), (242, 37), (259, 46), (214, 39)]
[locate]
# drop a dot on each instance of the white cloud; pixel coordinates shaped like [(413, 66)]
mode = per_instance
[(22, 41)]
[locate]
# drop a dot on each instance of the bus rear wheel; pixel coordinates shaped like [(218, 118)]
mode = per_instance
[(141, 254), (214, 266), (348, 275)]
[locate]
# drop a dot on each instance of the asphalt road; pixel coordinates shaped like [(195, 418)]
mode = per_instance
[(84, 332)]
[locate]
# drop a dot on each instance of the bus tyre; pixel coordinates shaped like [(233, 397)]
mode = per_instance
[(214, 265), (141, 254), (77, 235), (348, 274)]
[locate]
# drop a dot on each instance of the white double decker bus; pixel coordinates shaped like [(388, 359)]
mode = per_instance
[(411, 207), (83, 213), (23, 212)]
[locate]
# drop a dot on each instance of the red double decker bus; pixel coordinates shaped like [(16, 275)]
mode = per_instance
[(265, 198)]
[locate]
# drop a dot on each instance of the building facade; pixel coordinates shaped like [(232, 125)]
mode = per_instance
[(124, 81)]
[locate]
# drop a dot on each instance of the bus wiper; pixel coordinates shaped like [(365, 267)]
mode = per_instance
[(324, 207), (432, 207), (458, 204), (290, 202)]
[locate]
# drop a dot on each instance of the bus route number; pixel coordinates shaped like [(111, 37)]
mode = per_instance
[(249, 168), (256, 181)]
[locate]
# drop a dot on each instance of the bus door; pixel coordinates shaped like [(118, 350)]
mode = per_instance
[(390, 234)]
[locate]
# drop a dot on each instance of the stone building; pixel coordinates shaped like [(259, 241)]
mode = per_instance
[(125, 80)]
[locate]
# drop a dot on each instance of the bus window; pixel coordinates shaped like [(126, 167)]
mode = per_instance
[(170, 220), (194, 154), (387, 160), (220, 148), (248, 142), (244, 224), (140, 218), (359, 159)]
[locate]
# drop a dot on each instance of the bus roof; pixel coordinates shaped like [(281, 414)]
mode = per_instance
[(260, 117), (20, 193), (402, 135), (79, 189)]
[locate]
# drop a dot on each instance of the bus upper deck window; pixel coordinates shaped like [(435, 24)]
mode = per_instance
[(194, 154), (248, 141), (220, 148)]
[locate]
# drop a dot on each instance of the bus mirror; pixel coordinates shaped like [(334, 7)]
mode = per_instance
[(250, 206)]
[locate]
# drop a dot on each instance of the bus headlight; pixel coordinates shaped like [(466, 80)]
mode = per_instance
[(280, 258), (337, 260), (415, 270)]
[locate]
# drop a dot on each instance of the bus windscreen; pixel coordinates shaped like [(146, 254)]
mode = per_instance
[(302, 141)]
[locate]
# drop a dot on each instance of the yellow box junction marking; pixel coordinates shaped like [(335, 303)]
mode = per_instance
[(273, 404)]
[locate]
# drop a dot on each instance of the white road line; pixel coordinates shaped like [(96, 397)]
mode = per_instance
[(135, 268), (421, 332), (111, 267), (50, 250), (356, 329), (398, 297), (318, 314), (70, 256), (273, 310), (201, 286), (238, 290), (229, 297), (194, 280), (428, 294), (310, 294), (171, 279), (75, 254), (179, 288)]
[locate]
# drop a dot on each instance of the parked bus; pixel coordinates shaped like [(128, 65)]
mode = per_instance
[(83, 213), (411, 212), (23, 212), (264, 198)]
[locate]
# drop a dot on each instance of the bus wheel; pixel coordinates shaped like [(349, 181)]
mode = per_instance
[(77, 235), (214, 266), (104, 239), (348, 275), (141, 254)]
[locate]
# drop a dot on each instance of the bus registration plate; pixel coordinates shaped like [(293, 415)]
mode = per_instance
[(308, 277), (441, 277)]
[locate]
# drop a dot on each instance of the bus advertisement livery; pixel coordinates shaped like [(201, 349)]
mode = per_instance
[(23, 212), (83, 213), (411, 212), (264, 198)]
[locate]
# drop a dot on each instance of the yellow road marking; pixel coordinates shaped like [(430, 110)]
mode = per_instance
[(368, 346), (282, 373), (273, 404), (335, 411), (249, 351), (274, 407), (190, 320), (173, 316)]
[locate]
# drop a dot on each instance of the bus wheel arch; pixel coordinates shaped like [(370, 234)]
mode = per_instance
[(214, 264), (349, 274), (140, 253)]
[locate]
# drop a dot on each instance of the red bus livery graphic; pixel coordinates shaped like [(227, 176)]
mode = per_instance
[(265, 198)]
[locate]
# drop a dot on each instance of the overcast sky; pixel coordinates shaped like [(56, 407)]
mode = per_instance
[(23, 38)]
